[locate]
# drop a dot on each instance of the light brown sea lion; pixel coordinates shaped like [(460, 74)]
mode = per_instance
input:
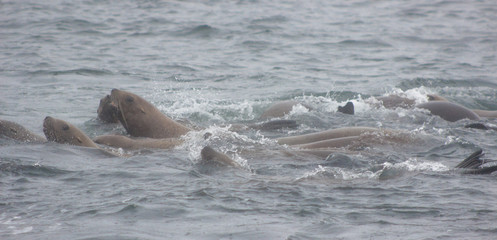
[(17, 132), (60, 131), (326, 135), (209, 155), (119, 141), (142, 119), (449, 111), (280, 109), (107, 110), (479, 112)]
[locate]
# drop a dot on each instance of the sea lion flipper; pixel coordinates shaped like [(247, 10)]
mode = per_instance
[(347, 109), (473, 161)]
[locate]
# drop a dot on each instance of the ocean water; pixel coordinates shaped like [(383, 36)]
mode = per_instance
[(216, 62)]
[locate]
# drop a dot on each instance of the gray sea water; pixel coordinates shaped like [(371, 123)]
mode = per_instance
[(219, 62)]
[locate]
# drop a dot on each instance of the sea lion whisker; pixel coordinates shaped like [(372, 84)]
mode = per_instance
[(122, 114)]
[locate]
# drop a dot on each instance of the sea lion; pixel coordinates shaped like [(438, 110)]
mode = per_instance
[(119, 141), (210, 156), (326, 135), (142, 119), (449, 111), (107, 110), (17, 132), (479, 112), (60, 131), (280, 109)]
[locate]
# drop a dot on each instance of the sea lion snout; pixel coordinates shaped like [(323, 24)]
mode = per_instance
[(46, 122)]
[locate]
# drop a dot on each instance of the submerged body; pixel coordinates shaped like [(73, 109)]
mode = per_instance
[(119, 141), (17, 132), (325, 135), (449, 111)]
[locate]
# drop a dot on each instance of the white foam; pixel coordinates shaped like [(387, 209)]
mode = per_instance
[(337, 173), (223, 140), (414, 165)]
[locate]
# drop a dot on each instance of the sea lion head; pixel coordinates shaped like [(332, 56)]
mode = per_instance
[(60, 131), (131, 108), (107, 110)]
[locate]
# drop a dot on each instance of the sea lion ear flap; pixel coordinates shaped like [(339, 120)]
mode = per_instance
[(142, 110), (79, 139)]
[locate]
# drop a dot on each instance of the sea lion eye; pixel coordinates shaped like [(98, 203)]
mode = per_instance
[(130, 99), (65, 127)]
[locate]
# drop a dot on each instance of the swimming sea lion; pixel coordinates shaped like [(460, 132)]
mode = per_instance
[(107, 110), (280, 109), (60, 131), (210, 155), (326, 135), (449, 111), (479, 112), (119, 141), (142, 119), (17, 132)]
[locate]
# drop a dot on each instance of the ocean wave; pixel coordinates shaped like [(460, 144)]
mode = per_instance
[(78, 71), (200, 31)]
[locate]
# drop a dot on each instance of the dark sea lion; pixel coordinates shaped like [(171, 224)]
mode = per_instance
[(60, 131), (119, 141), (347, 109), (107, 110), (142, 119), (17, 132), (326, 135), (280, 109), (449, 111), (210, 156)]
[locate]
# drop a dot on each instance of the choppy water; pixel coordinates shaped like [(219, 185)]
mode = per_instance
[(220, 62)]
